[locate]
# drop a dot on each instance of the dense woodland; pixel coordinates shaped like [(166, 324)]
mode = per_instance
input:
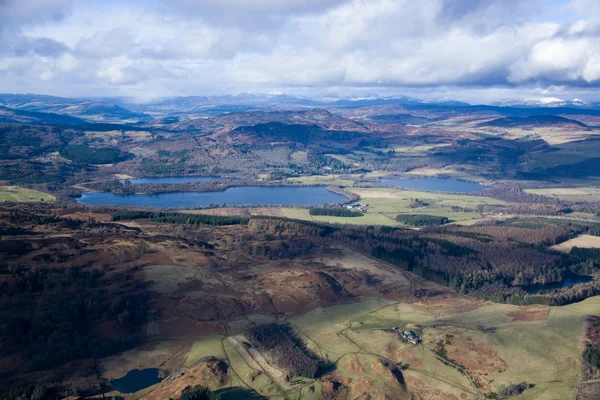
[(83, 155), (334, 211), (199, 393), (285, 352), (52, 314), (179, 218), (421, 219)]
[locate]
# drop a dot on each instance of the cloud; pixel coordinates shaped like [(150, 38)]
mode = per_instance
[(33, 11), (264, 15), (180, 47)]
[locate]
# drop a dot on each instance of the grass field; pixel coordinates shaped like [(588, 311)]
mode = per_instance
[(467, 173), (551, 135), (391, 202), (583, 241), (590, 306), (335, 179), (19, 194), (366, 219), (508, 350), (322, 180), (420, 149), (588, 194)]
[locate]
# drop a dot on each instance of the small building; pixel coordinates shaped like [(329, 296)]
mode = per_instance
[(408, 335)]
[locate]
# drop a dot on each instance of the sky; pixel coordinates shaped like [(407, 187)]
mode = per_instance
[(472, 50)]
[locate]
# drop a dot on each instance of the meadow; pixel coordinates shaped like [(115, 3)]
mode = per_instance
[(587, 194), (19, 194), (582, 241)]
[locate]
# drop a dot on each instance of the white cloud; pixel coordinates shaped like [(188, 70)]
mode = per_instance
[(184, 47)]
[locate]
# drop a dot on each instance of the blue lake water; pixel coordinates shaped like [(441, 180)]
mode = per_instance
[(177, 179), (240, 195), (136, 380), (570, 281), (435, 184)]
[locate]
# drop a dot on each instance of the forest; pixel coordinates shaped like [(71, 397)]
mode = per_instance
[(334, 211), (179, 218), (51, 314), (275, 340), (421, 219), (84, 155)]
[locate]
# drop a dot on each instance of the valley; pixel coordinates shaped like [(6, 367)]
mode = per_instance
[(144, 255)]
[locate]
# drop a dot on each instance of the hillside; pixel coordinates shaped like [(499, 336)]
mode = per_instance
[(11, 115), (535, 121)]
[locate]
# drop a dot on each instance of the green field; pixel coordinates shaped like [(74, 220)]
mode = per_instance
[(591, 306), (322, 180), (391, 202), (336, 179), (19, 194), (587, 194), (385, 204)]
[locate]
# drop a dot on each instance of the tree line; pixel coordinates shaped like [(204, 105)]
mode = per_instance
[(335, 212), (421, 219), (179, 218), (274, 340)]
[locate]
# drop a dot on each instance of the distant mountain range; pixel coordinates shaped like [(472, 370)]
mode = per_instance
[(550, 102), (90, 110), (127, 110)]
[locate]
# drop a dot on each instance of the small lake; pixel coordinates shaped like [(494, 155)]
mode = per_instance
[(136, 380), (570, 281), (236, 196), (435, 184), (176, 179)]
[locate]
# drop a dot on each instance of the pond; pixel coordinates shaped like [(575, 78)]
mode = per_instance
[(136, 380), (435, 184), (239, 195), (570, 281), (176, 179)]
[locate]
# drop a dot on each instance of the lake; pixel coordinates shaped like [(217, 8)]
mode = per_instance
[(177, 179), (236, 196), (136, 380), (435, 184), (570, 281)]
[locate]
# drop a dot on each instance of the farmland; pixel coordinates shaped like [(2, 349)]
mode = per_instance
[(581, 241), (19, 194), (586, 194), (391, 202)]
